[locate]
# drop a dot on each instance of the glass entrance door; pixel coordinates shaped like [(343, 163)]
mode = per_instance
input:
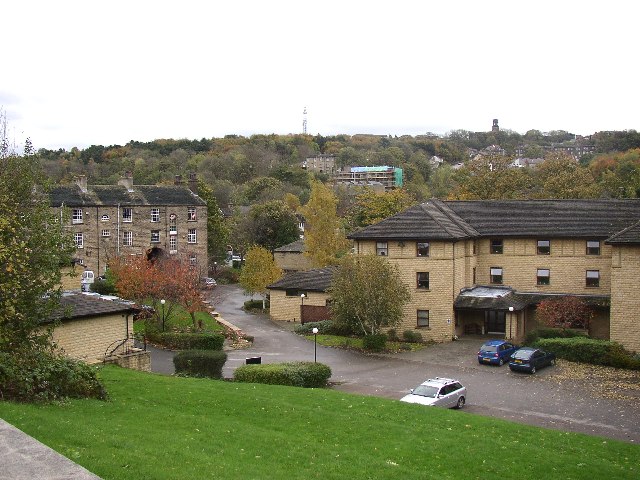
[(495, 322)]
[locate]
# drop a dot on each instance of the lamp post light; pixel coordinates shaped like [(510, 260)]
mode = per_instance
[(162, 302), (215, 268), (302, 295), (510, 321), (315, 344)]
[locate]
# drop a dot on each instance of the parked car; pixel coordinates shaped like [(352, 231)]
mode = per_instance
[(438, 392), (496, 352), (529, 359), (208, 282)]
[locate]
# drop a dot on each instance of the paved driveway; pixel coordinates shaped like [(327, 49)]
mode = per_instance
[(544, 399)]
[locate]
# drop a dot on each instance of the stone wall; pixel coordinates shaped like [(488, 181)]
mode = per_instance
[(625, 297), (287, 309)]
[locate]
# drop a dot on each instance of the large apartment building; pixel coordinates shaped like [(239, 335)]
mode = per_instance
[(128, 219), (482, 267)]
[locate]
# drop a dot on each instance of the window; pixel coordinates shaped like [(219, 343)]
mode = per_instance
[(127, 214), (104, 218), (593, 247), (382, 249), (543, 277), (155, 214), (127, 238), (76, 215), (495, 274), (191, 214), (105, 233), (423, 280), (496, 246), (155, 236), (173, 229), (173, 244), (544, 247), (593, 278), (423, 318), (78, 238), (294, 292), (192, 259), (422, 249), (191, 236)]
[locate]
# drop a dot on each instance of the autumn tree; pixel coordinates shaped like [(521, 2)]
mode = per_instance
[(259, 271), (324, 239), (371, 207), (565, 312), (561, 177), (367, 294), (490, 177), (217, 231)]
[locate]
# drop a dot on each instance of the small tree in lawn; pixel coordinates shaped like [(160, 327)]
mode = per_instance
[(565, 312), (259, 271), (367, 294)]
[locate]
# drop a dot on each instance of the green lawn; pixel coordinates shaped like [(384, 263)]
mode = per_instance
[(160, 427)]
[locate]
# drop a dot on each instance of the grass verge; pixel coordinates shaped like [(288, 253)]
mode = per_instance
[(160, 427)]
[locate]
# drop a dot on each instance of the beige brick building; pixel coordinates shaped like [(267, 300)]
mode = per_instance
[(481, 267), (291, 257), (301, 296), (128, 219)]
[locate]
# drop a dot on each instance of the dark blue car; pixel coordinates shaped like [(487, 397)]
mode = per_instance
[(529, 359), (496, 352)]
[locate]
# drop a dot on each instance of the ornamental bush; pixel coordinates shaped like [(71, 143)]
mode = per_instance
[(293, 374), (374, 343), (589, 350), (412, 336), (40, 376), (200, 363), (531, 337), (187, 341)]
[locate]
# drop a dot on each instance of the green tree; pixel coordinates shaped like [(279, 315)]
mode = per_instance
[(490, 177), (271, 225), (560, 176), (367, 294), (33, 247), (371, 207), (259, 271), (217, 231), (324, 238)]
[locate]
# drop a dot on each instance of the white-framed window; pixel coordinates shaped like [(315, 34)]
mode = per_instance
[(423, 318), (155, 236), (192, 236), (105, 233), (76, 215), (593, 247), (191, 214), (127, 239), (155, 215), (382, 249), (192, 259), (173, 244), (173, 228), (104, 218), (127, 214), (78, 238)]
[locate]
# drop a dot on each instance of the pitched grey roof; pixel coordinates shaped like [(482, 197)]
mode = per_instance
[(453, 220), (72, 196), (501, 298), (317, 280), (628, 236), (77, 305), (293, 247)]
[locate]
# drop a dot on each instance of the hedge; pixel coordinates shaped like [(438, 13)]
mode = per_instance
[(588, 350), (324, 328), (187, 341), (293, 374), (200, 363), (533, 336)]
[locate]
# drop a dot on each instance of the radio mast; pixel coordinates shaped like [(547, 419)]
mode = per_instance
[(304, 121)]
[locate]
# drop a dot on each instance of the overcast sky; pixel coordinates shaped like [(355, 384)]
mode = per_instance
[(78, 73)]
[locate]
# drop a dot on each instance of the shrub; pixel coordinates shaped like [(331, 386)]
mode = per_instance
[(225, 275), (374, 343), (531, 337), (392, 335), (324, 327), (255, 305), (412, 336), (187, 341), (37, 376), (200, 363), (293, 374), (103, 287), (589, 350)]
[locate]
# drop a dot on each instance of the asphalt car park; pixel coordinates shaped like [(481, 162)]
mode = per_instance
[(550, 398)]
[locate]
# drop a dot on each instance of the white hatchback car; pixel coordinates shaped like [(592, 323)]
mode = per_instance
[(438, 392)]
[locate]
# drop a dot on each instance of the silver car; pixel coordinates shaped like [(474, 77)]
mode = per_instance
[(438, 392)]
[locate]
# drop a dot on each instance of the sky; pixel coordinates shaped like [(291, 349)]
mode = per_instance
[(81, 73)]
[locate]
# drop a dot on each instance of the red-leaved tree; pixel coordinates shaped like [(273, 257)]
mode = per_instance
[(565, 312)]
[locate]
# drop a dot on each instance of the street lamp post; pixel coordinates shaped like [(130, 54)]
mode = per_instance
[(315, 344), (215, 268), (510, 321), (302, 295), (162, 302)]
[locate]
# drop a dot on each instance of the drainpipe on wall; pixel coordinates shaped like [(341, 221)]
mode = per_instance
[(118, 229)]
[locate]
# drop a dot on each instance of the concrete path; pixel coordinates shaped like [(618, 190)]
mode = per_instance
[(24, 458)]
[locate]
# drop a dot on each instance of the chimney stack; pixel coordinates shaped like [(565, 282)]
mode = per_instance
[(177, 180), (193, 183), (127, 181), (81, 182)]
